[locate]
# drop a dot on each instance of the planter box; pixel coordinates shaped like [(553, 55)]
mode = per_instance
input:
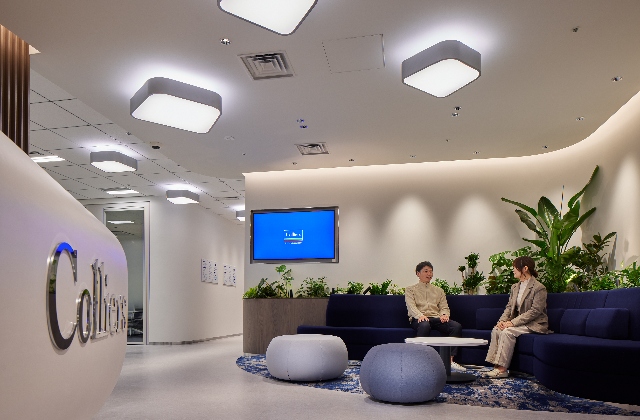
[(264, 319)]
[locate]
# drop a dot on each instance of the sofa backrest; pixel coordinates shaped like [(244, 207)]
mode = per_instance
[(577, 300), (376, 311), (630, 299), (569, 313), (464, 309)]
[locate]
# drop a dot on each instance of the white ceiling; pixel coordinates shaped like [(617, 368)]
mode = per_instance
[(64, 126), (538, 76)]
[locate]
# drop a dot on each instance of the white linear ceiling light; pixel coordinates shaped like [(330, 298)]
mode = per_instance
[(120, 191), (45, 159), (442, 69), (279, 16), (176, 104), (112, 161), (182, 197)]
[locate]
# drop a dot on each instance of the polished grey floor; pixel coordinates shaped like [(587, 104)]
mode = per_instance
[(202, 381)]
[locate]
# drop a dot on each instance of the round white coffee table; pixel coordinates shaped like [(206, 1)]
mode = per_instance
[(445, 344)]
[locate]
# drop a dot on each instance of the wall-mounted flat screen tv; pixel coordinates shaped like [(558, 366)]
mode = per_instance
[(294, 235)]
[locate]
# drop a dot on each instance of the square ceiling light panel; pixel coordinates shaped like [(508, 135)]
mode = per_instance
[(176, 104), (182, 197), (280, 16), (442, 69), (112, 161)]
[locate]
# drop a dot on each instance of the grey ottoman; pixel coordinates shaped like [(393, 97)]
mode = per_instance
[(402, 373), (307, 357)]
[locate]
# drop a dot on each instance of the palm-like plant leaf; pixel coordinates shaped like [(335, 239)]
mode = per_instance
[(554, 232), (547, 211), (526, 219), (522, 206), (577, 196)]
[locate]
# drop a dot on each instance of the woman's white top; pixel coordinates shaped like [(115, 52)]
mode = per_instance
[(523, 287)]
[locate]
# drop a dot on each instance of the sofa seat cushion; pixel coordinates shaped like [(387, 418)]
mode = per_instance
[(524, 343), (361, 335), (487, 318), (608, 323), (574, 321), (588, 353)]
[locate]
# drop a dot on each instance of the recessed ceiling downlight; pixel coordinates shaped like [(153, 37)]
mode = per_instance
[(176, 104), (280, 16), (442, 69)]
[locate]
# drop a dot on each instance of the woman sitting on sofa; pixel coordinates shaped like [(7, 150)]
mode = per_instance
[(526, 312)]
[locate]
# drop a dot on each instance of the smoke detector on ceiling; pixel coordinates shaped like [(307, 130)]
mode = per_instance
[(313, 149), (270, 65)]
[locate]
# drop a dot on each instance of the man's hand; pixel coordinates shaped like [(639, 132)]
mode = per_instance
[(422, 318), (444, 318)]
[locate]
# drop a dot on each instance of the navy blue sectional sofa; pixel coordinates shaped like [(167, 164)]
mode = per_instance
[(594, 352)]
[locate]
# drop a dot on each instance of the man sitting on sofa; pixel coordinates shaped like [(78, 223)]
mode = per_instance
[(427, 306)]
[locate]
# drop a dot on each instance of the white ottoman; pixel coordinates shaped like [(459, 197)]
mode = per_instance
[(306, 357)]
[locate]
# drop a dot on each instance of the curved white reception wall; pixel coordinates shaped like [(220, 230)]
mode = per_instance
[(63, 292)]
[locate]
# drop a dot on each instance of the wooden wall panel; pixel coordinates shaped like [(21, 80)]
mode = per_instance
[(264, 319), (14, 88)]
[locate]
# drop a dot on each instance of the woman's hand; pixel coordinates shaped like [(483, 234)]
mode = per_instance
[(502, 325)]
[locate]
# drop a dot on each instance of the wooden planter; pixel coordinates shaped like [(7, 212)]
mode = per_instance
[(264, 319)]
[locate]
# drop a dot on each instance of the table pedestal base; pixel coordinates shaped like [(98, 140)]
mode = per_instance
[(453, 377)]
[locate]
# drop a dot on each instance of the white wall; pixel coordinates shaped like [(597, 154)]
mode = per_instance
[(181, 307), (392, 217), (37, 379)]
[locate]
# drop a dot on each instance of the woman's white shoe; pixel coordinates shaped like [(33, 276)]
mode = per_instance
[(496, 374)]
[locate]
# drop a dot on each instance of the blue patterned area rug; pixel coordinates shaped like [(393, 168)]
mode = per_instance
[(517, 393)]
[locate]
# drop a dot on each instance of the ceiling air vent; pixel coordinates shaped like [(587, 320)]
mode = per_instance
[(227, 198), (270, 65), (313, 149)]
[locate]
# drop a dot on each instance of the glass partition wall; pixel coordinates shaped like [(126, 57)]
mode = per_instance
[(129, 227)]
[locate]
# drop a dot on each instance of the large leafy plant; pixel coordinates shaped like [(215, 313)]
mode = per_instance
[(264, 289), (590, 263), (313, 288), (448, 290), (501, 277), (353, 288), (553, 231), (379, 289)]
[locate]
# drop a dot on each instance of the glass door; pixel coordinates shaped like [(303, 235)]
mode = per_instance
[(128, 227)]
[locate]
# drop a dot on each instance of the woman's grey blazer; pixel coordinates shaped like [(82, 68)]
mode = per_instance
[(532, 313)]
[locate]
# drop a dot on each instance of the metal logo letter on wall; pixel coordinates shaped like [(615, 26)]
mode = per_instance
[(96, 317)]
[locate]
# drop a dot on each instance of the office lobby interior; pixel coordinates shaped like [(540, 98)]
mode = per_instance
[(144, 316)]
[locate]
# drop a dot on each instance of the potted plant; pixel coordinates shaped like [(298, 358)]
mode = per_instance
[(268, 310), (471, 277), (448, 290)]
